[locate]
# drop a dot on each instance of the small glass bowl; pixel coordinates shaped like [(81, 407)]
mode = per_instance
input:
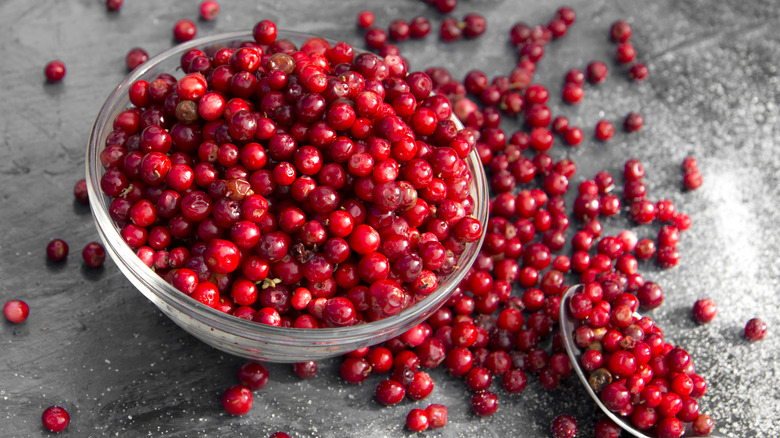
[(233, 335)]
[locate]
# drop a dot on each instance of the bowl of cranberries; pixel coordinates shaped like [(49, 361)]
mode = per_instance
[(283, 197)]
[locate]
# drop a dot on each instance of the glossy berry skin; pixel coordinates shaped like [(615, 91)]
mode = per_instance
[(55, 419), (184, 30), (390, 392), (704, 310), (253, 375), (484, 403), (54, 71), (755, 329), (564, 426), (16, 311), (57, 250), (209, 10), (237, 400), (94, 255), (417, 420)]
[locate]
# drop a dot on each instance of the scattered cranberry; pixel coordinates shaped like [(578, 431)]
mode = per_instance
[(16, 311), (417, 420), (564, 426), (474, 25), (237, 400), (94, 255), (755, 329), (638, 72), (209, 10), (692, 180), (136, 57), (114, 5), (54, 71), (365, 19), (604, 130), (57, 250), (80, 192), (596, 72), (55, 419), (484, 403), (704, 310), (625, 53), (620, 31), (253, 375), (437, 415), (184, 30), (633, 122)]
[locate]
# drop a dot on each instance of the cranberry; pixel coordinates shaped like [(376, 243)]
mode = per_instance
[(184, 30), (596, 72), (417, 420), (253, 375), (237, 400), (365, 19), (437, 415), (564, 426), (604, 130), (16, 311), (55, 419), (633, 122), (135, 57), (54, 71), (57, 250), (209, 10), (484, 403), (114, 5), (390, 392), (94, 254), (638, 72), (755, 329)]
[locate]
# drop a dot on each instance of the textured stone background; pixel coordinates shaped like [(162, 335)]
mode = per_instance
[(99, 348)]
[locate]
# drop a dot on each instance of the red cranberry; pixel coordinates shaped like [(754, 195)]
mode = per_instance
[(365, 19), (57, 250), (55, 419), (596, 72), (638, 72), (94, 254), (755, 329), (417, 420), (16, 311), (484, 403), (114, 5), (184, 30), (253, 375), (564, 426), (237, 400), (54, 71), (209, 10)]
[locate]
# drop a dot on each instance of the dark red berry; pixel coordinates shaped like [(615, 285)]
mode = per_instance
[(54, 71), (55, 419), (755, 329), (237, 400), (94, 254)]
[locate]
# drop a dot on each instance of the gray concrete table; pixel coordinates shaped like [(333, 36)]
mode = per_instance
[(96, 346)]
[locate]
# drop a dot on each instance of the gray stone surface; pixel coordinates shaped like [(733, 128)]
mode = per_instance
[(97, 347)]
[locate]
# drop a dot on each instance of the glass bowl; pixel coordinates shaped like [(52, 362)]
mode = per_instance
[(225, 332)]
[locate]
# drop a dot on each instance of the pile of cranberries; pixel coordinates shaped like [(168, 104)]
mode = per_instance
[(298, 187)]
